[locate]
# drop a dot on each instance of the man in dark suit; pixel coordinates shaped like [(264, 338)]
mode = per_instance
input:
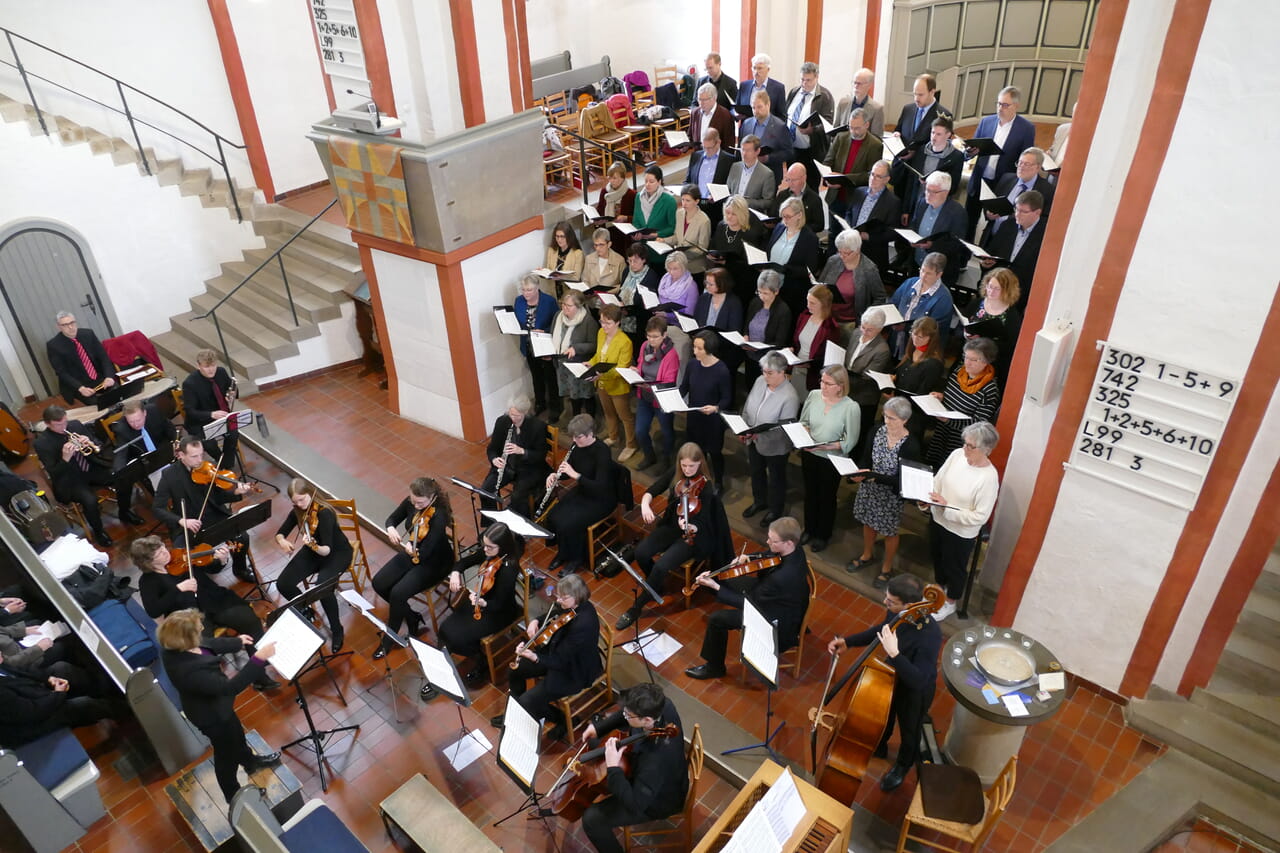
[(1025, 177), (795, 183), (1013, 133), (80, 363), (752, 179), (177, 490), (771, 131), (35, 702), (943, 220), (1016, 242), (781, 594), (140, 431), (876, 207), (803, 102), (915, 123), (760, 82), (206, 397), (708, 114), (726, 86), (77, 476), (852, 154), (518, 451)]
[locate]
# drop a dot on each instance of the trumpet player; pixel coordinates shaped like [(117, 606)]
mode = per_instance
[(76, 470), (517, 454), (593, 496)]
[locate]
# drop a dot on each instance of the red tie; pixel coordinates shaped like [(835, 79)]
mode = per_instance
[(222, 404), (89, 369)]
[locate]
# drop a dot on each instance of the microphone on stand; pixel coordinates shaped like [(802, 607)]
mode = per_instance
[(373, 108)]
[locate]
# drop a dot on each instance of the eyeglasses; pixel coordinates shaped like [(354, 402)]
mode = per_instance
[(67, 323), (934, 190), (1004, 105)]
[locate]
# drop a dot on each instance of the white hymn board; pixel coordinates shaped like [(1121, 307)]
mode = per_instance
[(340, 48), (1152, 426)]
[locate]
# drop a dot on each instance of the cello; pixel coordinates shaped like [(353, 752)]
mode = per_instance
[(585, 775), (857, 729)]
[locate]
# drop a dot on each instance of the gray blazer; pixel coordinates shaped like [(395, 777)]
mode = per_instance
[(873, 108), (761, 188), (868, 288), (874, 356), (782, 405)]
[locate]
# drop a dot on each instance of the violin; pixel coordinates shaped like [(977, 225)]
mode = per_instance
[(484, 585), (181, 559), (421, 526), (687, 492), (547, 631), (206, 472), (585, 776), (856, 730), (755, 563)]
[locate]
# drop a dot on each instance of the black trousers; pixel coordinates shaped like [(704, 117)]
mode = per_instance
[(546, 393), (600, 820), (400, 580), (569, 521), (950, 555), (715, 642), (907, 708), (527, 486), (461, 632), (665, 540), (224, 608), (304, 564), (538, 698), (230, 752), (768, 479), (821, 482)]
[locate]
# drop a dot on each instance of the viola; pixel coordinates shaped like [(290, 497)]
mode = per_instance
[(547, 631), (182, 559), (687, 492), (421, 526), (857, 729), (206, 472), (585, 776), (755, 563)]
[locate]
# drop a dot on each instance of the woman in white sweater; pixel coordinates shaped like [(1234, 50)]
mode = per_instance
[(963, 496)]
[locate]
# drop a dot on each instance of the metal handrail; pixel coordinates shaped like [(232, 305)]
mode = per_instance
[(583, 142), (121, 85), (278, 256)]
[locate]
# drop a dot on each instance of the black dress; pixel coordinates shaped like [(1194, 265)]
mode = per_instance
[(461, 632), (594, 497), (569, 662)]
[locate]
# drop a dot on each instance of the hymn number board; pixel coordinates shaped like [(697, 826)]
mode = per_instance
[(340, 47), (1153, 426)]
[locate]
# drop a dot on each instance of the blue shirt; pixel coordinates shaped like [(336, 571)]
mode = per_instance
[(707, 173)]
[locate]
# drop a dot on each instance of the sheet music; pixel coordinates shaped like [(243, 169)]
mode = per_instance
[(580, 286), (792, 358), (648, 297), (917, 483), (356, 600), (893, 144), (466, 749), (658, 246), (687, 324), (48, 631), (655, 646), (437, 667), (676, 138), (624, 227), (607, 298), (541, 344), (824, 170), (909, 235), (799, 435), (933, 407), (734, 338), (1051, 164), (590, 211), (892, 315), (577, 368), (884, 380), (507, 322), (844, 223), (671, 401), (737, 423), (844, 465), (754, 255), (544, 272), (518, 746), (718, 192), (753, 835), (296, 641), (985, 193), (518, 523), (977, 251), (759, 646), (834, 354), (630, 376)]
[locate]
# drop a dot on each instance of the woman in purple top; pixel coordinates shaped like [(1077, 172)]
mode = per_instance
[(678, 285)]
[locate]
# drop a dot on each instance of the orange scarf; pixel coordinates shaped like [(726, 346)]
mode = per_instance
[(974, 385)]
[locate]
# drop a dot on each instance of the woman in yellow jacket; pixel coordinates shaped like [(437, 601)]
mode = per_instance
[(614, 347)]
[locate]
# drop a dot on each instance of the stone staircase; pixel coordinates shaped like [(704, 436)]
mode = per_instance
[(322, 265)]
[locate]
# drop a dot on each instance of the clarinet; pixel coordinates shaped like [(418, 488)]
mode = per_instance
[(502, 472), (551, 489)]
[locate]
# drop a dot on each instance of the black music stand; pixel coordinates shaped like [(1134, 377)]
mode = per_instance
[(315, 739), (128, 473), (385, 632), (441, 672), (760, 655), (526, 733), (641, 585), (474, 492), (240, 522), (309, 597)]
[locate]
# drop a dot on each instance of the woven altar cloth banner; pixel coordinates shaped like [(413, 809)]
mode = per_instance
[(369, 179)]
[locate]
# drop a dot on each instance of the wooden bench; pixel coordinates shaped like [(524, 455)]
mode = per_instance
[(199, 800), (430, 820)]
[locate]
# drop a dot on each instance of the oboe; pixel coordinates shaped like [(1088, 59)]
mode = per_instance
[(555, 482), (502, 471)]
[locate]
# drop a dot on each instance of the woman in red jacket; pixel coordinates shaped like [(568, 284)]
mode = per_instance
[(814, 328)]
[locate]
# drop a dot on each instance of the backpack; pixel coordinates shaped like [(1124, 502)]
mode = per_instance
[(687, 90), (609, 86)]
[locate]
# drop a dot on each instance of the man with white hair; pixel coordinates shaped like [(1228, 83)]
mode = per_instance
[(760, 82), (708, 114), (803, 103), (943, 223), (860, 99)]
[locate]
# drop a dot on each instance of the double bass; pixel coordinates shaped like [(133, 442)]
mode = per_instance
[(585, 776), (857, 729)]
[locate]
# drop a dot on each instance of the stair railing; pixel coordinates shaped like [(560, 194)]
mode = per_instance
[(220, 141), (278, 256), (583, 142)]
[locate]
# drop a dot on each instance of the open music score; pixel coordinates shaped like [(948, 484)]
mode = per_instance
[(1152, 426), (518, 746), (296, 641)]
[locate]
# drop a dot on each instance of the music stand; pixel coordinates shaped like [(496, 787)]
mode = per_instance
[(475, 491), (641, 584), (302, 600), (365, 609), (297, 640), (241, 521), (517, 756), (760, 655), (128, 473), (440, 671)]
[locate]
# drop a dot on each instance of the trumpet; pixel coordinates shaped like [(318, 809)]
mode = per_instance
[(502, 472), (542, 507), (82, 444)]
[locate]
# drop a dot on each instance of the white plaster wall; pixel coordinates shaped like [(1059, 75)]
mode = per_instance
[(286, 85), (410, 293), (491, 278), (153, 246), (491, 50), (167, 49), (843, 25), (780, 33), (730, 39), (424, 74)]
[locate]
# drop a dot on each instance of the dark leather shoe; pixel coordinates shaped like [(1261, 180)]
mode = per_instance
[(704, 671), (569, 569), (498, 721), (804, 538), (103, 539), (882, 751), (258, 762), (555, 564), (132, 518), (427, 693), (769, 518), (817, 545), (894, 777), (627, 619), (474, 677), (381, 653), (244, 574), (558, 732), (266, 684), (336, 639), (752, 510)]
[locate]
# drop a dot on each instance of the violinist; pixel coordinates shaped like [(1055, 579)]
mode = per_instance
[(322, 550), (780, 593), (517, 454), (205, 504), (487, 603), (207, 396), (425, 553), (163, 593), (74, 474), (694, 525), (567, 662), (659, 780), (140, 431), (912, 651)]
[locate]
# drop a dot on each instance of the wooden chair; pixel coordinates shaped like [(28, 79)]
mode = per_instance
[(691, 569), (663, 74), (579, 708), (499, 648), (349, 524), (596, 124), (974, 834), (605, 532), (675, 832), (793, 657), (437, 598)]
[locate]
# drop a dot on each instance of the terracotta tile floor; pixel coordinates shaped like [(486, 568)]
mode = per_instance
[(1202, 836), (1067, 766)]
